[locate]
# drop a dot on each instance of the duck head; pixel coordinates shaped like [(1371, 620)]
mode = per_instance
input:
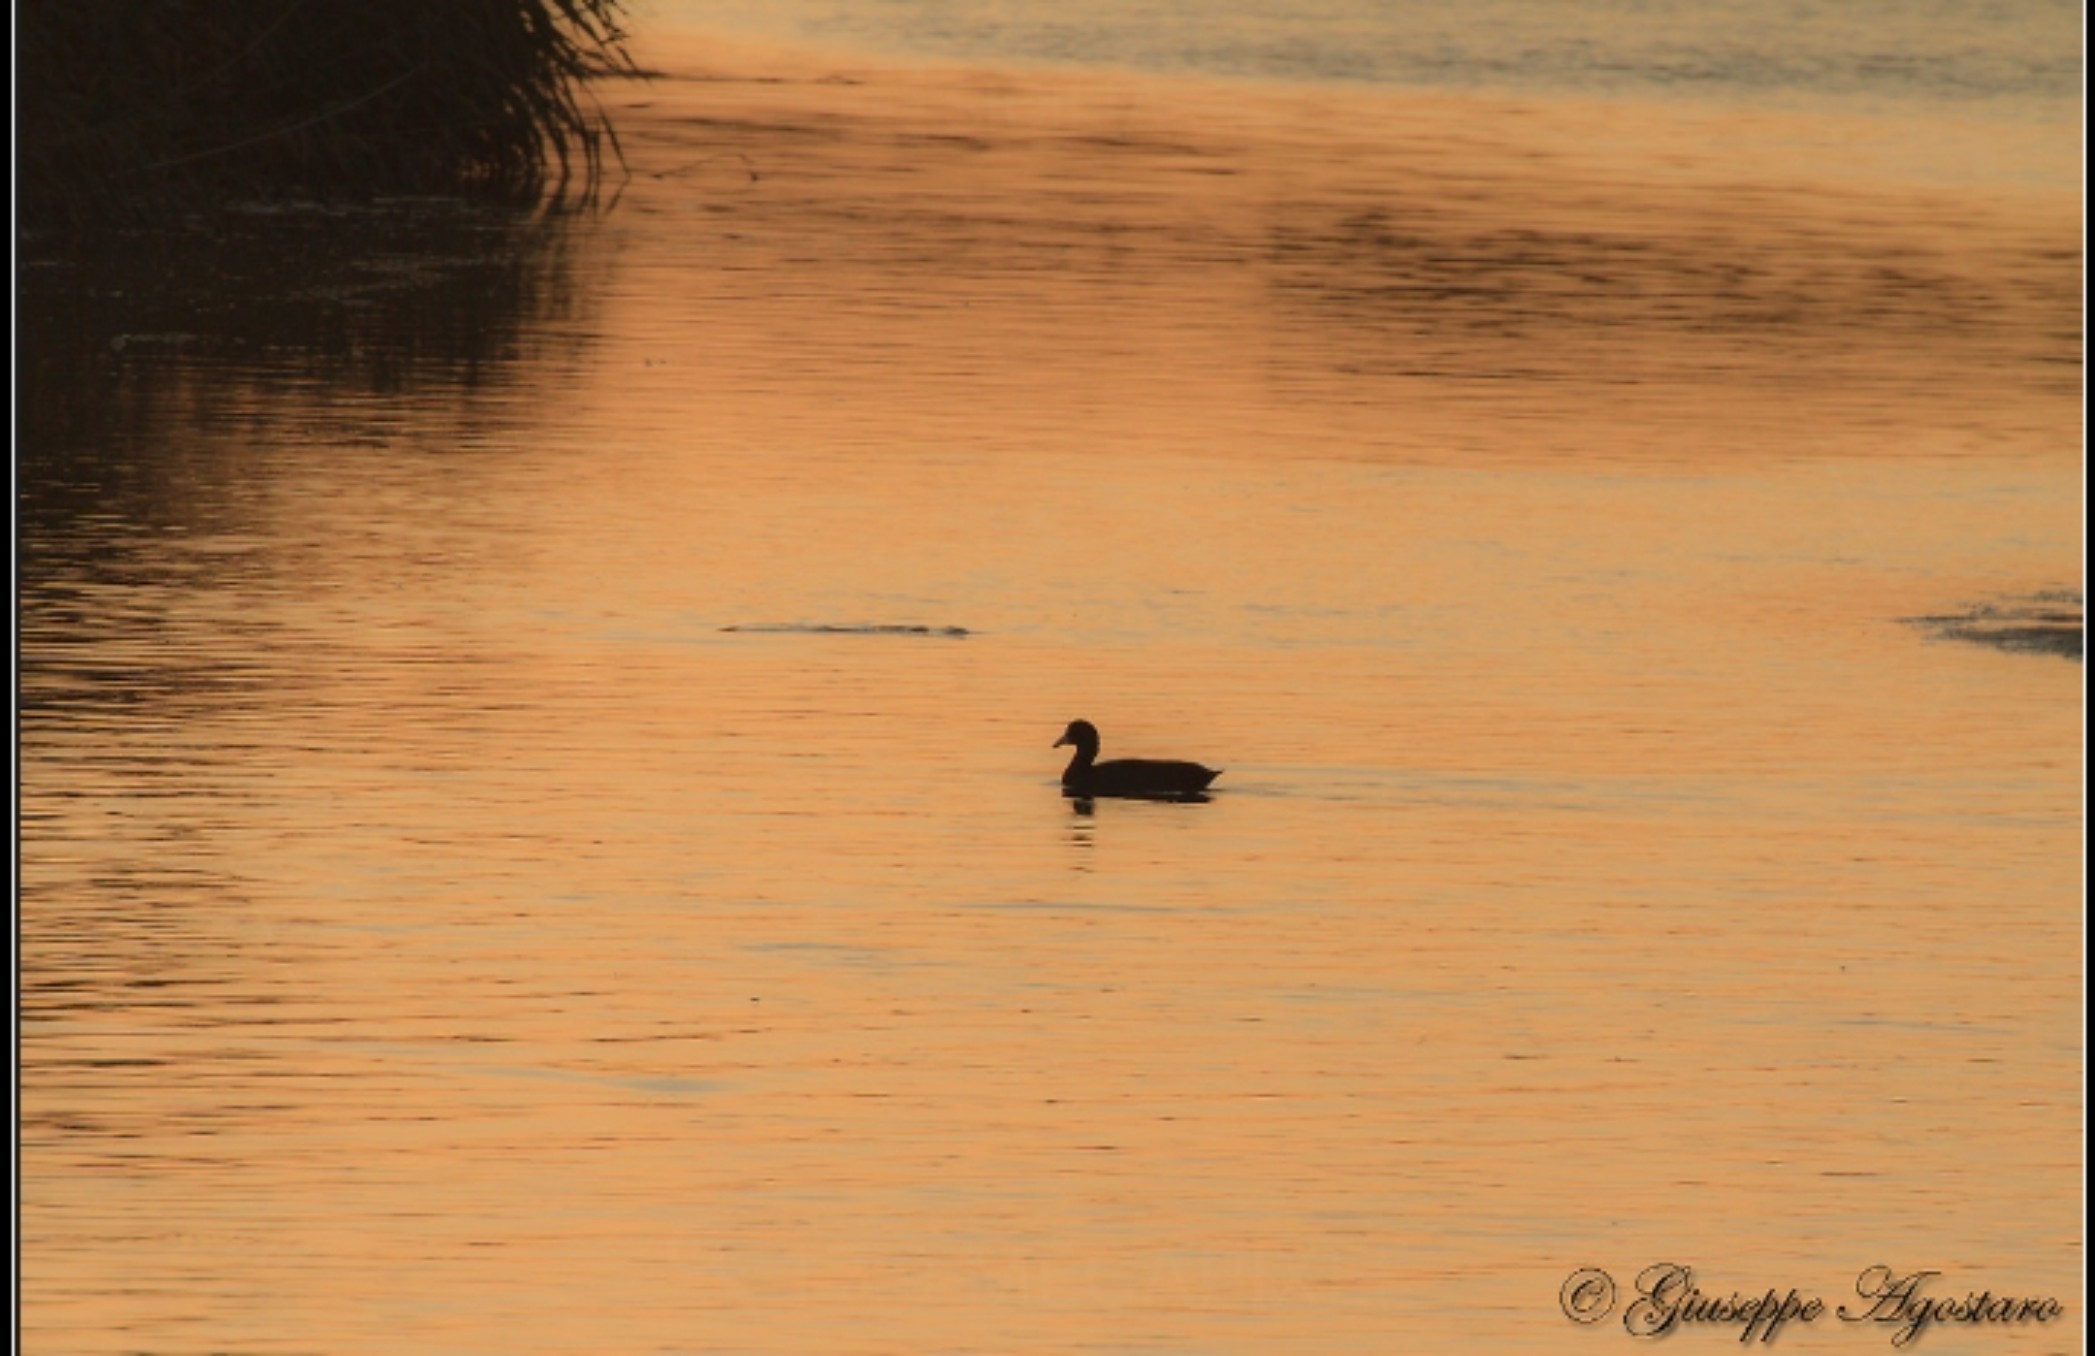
[(1083, 734)]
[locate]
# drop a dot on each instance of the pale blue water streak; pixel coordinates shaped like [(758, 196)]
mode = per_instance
[(2017, 59)]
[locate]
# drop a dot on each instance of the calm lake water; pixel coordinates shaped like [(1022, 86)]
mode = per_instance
[(539, 832)]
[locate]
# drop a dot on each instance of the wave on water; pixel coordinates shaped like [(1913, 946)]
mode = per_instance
[(848, 629)]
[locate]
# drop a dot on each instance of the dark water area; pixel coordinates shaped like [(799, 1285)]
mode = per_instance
[(376, 297), (267, 316), (166, 377)]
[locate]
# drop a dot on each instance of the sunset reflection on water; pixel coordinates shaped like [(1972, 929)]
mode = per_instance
[(557, 848)]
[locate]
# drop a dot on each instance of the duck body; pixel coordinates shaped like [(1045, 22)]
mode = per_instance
[(1132, 778)]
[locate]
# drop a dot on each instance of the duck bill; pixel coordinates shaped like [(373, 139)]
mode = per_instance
[(1060, 742)]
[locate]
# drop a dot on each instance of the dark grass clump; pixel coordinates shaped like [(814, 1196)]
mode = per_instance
[(2052, 622), (127, 108)]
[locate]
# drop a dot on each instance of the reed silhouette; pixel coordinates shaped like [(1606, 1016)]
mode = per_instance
[(130, 108)]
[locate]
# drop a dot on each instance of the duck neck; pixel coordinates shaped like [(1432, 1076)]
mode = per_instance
[(1080, 761)]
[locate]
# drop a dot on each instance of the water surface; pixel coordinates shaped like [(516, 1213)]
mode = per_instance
[(539, 832)]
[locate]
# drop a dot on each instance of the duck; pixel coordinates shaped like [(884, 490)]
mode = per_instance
[(1134, 778)]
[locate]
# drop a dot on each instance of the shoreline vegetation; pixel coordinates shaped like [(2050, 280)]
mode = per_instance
[(128, 111)]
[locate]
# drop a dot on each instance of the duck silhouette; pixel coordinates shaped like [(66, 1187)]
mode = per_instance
[(1133, 778)]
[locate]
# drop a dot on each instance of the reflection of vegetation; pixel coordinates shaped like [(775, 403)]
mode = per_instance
[(150, 363), (177, 387), (127, 105), (368, 298)]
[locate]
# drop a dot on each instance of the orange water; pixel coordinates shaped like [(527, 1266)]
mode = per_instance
[(442, 933)]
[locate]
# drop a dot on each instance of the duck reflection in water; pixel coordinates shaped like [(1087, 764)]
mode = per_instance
[(1086, 779)]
